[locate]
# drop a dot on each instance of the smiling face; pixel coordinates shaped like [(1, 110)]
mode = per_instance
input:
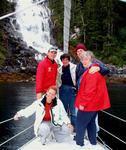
[(86, 62), (87, 58), (50, 95), (65, 62), (79, 52), (51, 54)]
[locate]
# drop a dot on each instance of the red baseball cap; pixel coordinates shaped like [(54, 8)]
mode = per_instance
[(81, 46)]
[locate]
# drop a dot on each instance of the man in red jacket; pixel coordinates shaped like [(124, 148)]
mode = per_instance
[(46, 73), (91, 98)]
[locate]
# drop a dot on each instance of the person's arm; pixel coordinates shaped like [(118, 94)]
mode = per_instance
[(39, 80), (104, 70), (79, 71), (28, 111), (39, 95)]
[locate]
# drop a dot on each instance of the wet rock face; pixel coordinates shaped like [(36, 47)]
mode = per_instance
[(20, 58)]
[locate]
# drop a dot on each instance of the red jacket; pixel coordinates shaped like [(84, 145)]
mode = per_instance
[(92, 94), (46, 75)]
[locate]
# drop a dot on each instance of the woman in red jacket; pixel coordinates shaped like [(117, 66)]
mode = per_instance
[(91, 98)]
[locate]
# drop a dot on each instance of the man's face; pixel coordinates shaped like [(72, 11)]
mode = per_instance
[(51, 54), (65, 62), (50, 95), (79, 52)]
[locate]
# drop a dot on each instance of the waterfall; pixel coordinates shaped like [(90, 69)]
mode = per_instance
[(33, 19)]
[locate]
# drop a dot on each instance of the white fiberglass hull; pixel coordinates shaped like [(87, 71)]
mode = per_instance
[(35, 144)]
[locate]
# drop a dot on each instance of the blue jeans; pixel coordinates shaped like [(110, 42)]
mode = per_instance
[(86, 120), (67, 95)]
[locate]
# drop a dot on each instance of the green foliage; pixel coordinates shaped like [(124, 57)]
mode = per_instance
[(5, 7), (101, 24), (122, 35), (57, 9)]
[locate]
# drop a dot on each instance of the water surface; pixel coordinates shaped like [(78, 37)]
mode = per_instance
[(16, 96)]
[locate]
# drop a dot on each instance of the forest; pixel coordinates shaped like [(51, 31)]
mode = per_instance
[(100, 24)]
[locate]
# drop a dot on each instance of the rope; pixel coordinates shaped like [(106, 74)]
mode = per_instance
[(113, 135), (13, 13), (104, 143), (6, 120), (114, 116), (15, 135)]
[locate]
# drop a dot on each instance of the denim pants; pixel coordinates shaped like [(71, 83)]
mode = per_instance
[(67, 95), (86, 120)]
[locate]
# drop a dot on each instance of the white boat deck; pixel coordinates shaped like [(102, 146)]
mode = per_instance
[(35, 144)]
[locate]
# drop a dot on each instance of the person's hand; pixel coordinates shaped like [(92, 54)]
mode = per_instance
[(16, 116), (94, 69), (81, 107), (70, 126)]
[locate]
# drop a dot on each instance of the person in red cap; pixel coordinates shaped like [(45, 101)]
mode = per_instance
[(46, 73), (91, 98), (80, 69), (81, 46)]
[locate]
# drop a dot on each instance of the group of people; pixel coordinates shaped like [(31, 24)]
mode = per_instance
[(68, 97)]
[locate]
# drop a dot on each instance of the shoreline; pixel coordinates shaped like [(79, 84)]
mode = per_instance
[(16, 77), (23, 77), (116, 79)]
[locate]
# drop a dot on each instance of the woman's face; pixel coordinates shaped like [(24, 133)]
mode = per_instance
[(86, 62), (65, 62)]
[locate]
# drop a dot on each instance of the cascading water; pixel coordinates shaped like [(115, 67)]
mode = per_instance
[(33, 19), (32, 25)]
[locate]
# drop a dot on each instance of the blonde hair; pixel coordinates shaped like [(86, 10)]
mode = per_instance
[(87, 54)]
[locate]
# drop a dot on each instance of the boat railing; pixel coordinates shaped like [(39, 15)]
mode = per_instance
[(109, 133), (101, 141), (1, 144), (15, 12), (114, 116)]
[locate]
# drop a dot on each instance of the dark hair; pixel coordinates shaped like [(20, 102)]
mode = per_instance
[(65, 56)]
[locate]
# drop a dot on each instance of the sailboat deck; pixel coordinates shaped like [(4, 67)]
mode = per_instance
[(35, 144)]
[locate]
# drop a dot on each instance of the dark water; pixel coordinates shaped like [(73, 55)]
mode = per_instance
[(16, 96), (117, 95)]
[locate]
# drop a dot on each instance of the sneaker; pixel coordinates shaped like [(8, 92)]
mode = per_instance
[(43, 142)]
